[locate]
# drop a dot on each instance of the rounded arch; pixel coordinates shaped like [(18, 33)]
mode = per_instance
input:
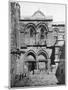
[(56, 30), (29, 25), (30, 52), (44, 53), (42, 25), (31, 29)]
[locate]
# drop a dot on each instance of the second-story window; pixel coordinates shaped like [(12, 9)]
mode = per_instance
[(42, 33), (31, 32)]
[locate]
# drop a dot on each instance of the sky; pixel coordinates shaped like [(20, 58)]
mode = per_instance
[(57, 11)]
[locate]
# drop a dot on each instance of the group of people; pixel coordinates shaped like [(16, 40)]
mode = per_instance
[(20, 76)]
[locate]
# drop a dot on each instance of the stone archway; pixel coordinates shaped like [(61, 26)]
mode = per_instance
[(43, 25), (30, 60), (42, 30), (42, 58), (43, 52), (30, 33)]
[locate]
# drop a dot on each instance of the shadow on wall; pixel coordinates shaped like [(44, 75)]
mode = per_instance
[(60, 73)]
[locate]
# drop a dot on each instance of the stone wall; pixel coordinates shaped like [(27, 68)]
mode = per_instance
[(14, 18)]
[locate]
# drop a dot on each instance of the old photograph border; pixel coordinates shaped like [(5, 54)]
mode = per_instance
[(65, 38)]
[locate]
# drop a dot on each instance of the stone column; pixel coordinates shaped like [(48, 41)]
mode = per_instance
[(56, 58), (48, 65), (18, 37), (56, 54), (18, 66), (19, 40), (37, 63), (22, 63)]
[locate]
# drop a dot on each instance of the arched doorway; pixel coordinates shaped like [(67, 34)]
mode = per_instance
[(42, 60), (30, 61)]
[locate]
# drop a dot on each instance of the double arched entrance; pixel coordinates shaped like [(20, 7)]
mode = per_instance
[(36, 61)]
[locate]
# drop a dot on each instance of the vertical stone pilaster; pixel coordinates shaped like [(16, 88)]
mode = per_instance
[(48, 65), (18, 39), (56, 62), (37, 63), (56, 58), (56, 54), (22, 63)]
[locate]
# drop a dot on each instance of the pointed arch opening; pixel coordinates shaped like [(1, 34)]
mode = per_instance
[(30, 60), (30, 33), (42, 60)]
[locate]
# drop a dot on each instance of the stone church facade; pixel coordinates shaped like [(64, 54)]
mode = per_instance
[(36, 43)]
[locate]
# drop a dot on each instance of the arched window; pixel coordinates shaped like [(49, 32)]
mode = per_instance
[(42, 29), (42, 33), (32, 31), (30, 34)]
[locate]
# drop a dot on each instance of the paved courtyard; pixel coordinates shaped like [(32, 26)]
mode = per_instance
[(42, 79)]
